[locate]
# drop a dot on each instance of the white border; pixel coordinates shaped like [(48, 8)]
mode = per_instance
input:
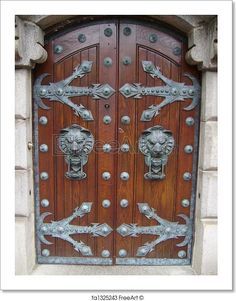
[(224, 278)]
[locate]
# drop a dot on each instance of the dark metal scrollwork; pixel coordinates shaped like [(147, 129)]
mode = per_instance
[(171, 92), (76, 143), (165, 230), (156, 143), (63, 230), (61, 91)]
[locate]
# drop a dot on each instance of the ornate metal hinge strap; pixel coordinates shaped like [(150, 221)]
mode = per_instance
[(62, 229), (165, 230), (61, 91), (171, 92)]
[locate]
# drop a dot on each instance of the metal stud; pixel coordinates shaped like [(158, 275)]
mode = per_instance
[(124, 203), (108, 32), (43, 120), (106, 148), (58, 49), (85, 250), (187, 176), (124, 148), (106, 175), (45, 252), (188, 149), (127, 60), (124, 176), (107, 119), (44, 203), (105, 230), (106, 203), (177, 51), (43, 148), (43, 175), (127, 31), (105, 253), (123, 230), (122, 253), (107, 61), (125, 120), (181, 254), (152, 38), (106, 91), (82, 38), (85, 208), (185, 203), (189, 121)]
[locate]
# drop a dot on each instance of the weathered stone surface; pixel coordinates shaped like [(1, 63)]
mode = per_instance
[(23, 156), (209, 96), (22, 93), (202, 43), (23, 192), (28, 46), (206, 204), (205, 250), (24, 245), (46, 269), (208, 145)]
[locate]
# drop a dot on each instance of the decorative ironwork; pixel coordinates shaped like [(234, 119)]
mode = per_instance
[(61, 91), (76, 143), (165, 230), (63, 230), (147, 261), (171, 92), (74, 260), (156, 143), (82, 38)]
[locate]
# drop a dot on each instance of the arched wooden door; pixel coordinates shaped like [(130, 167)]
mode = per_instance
[(116, 141)]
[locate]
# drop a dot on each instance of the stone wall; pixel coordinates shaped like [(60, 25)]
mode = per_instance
[(202, 37)]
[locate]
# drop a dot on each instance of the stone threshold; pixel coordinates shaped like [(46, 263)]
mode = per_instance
[(47, 269)]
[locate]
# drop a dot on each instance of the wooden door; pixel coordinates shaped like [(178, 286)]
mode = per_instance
[(116, 141)]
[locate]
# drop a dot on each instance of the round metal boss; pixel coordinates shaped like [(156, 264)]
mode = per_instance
[(58, 49), (107, 119), (122, 253), (43, 120), (82, 38), (124, 148), (125, 120), (124, 176), (187, 176), (124, 203), (127, 31), (105, 253), (189, 121), (127, 60), (106, 175), (45, 252), (44, 203), (185, 203), (188, 149), (106, 148), (152, 38), (106, 203), (43, 148), (108, 32), (177, 51), (107, 61), (44, 175), (181, 254)]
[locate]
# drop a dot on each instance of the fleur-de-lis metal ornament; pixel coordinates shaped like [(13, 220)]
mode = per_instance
[(63, 230), (61, 91), (165, 230), (171, 92)]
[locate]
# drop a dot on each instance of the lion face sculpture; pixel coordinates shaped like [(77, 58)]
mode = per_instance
[(156, 144), (76, 143)]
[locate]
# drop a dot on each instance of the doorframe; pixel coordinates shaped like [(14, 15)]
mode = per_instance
[(201, 32)]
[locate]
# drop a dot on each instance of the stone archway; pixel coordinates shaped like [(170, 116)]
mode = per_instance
[(202, 42)]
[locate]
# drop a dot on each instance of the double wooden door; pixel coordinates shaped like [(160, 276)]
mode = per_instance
[(116, 138)]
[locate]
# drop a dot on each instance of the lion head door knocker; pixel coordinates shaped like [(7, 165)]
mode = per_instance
[(76, 143), (156, 143)]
